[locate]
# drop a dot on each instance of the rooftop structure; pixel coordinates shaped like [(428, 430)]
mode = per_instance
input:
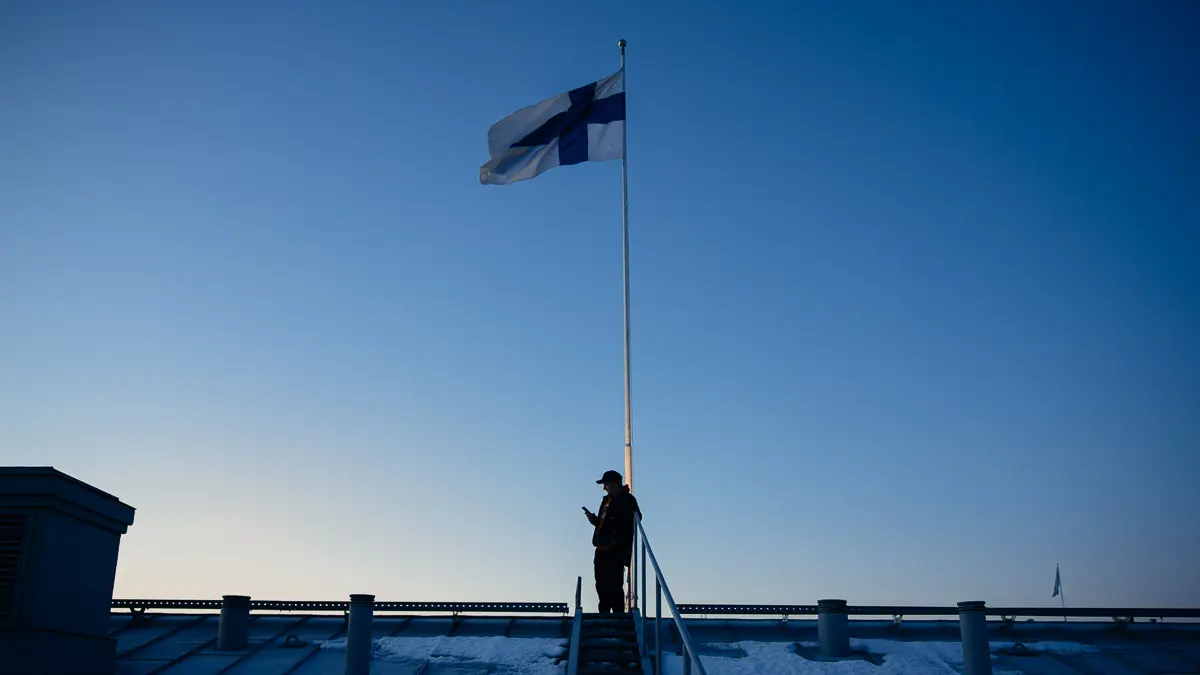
[(58, 550)]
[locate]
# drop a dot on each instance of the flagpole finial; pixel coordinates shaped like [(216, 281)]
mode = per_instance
[(621, 45)]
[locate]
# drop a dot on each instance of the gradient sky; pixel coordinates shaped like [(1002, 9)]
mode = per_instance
[(916, 295)]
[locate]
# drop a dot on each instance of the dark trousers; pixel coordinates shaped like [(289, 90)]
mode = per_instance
[(610, 580)]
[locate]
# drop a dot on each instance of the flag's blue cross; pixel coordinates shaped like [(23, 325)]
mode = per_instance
[(570, 126)]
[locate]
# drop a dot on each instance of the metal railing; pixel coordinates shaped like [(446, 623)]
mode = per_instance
[(576, 630), (691, 657), (344, 606), (905, 610)]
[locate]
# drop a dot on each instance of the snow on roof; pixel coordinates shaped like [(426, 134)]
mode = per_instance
[(526, 656), (184, 644), (894, 657)]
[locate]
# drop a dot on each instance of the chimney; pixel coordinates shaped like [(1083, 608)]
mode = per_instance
[(58, 559)]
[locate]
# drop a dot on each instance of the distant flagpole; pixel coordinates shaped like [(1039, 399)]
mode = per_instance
[(1058, 590)]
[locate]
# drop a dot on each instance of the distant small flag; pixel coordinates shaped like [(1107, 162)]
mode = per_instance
[(582, 125), (1057, 583)]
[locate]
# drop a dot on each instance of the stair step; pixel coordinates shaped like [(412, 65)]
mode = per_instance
[(609, 647), (607, 642), (610, 656)]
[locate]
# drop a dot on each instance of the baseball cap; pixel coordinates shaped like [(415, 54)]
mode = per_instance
[(609, 477)]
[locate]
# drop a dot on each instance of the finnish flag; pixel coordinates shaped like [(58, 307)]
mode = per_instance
[(583, 125)]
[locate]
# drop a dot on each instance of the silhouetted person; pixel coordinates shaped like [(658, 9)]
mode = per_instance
[(613, 539)]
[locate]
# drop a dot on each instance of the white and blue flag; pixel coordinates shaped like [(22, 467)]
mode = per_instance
[(583, 125)]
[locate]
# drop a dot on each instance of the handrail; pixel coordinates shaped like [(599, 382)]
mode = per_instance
[(902, 610), (576, 630), (343, 606), (691, 657)]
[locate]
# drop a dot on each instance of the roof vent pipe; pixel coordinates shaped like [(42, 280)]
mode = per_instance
[(832, 628), (233, 628), (972, 621), (358, 635)]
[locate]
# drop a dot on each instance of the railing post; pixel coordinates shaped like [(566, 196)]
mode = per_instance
[(642, 596), (633, 568), (631, 573), (972, 622), (643, 593), (578, 592), (832, 629), (657, 625), (233, 627), (630, 576), (358, 634)]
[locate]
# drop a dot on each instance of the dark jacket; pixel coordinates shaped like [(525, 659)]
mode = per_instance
[(614, 524)]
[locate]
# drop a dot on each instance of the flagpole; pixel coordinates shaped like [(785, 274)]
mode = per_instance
[(632, 599), (625, 265)]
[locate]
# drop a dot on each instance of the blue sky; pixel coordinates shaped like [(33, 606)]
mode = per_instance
[(915, 296)]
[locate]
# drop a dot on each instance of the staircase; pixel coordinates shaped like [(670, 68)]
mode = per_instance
[(608, 644)]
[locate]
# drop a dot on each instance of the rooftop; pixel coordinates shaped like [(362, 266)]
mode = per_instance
[(302, 643)]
